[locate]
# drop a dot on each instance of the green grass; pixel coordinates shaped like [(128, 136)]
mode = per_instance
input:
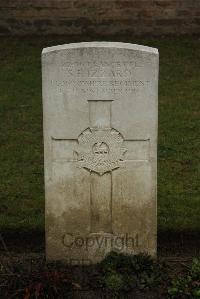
[(21, 145)]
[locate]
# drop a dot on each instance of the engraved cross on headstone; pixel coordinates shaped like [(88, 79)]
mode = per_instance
[(100, 149)]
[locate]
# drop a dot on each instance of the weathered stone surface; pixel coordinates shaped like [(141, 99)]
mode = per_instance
[(100, 141)]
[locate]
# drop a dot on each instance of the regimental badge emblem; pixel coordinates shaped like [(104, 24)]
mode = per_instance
[(100, 149)]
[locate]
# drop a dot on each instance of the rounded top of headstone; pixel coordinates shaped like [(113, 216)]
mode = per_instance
[(116, 45)]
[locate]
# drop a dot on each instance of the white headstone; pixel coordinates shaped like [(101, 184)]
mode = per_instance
[(100, 148)]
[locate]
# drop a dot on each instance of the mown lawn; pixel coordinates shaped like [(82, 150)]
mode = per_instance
[(21, 145)]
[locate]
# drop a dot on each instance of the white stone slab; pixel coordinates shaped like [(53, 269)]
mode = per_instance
[(100, 147)]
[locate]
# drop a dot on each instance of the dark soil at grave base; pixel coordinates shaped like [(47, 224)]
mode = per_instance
[(27, 250), (103, 295), (86, 277)]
